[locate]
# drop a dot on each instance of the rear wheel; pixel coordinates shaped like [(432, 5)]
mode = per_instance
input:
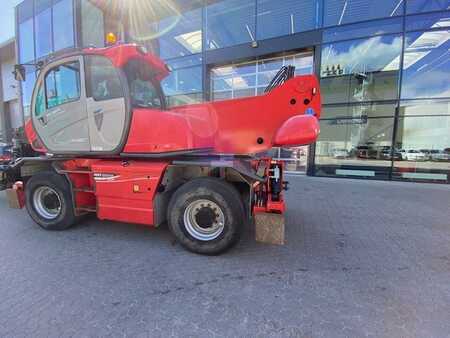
[(206, 216), (49, 201)]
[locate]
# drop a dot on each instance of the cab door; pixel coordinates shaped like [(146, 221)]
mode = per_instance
[(59, 107), (106, 105)]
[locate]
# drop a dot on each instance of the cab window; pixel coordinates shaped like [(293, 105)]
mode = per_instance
[(102, 79), (39, 108), (145, 92), (62, 84)]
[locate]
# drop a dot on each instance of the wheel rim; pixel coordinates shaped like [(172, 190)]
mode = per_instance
[(204, 220), (47, 202)]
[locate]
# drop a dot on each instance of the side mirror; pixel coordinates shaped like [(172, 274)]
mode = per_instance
[(19, 73)]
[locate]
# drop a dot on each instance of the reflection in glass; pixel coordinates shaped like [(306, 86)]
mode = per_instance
[(338, 12), (426, 66), (425, 146), (359, 30), (425, 107), (427, 21), (361, 70), (63, 35), (230, 22), (26, 41), (417, 6), (359, 111), (358, 141), (183, 38), (92, 25), (277, 18), (43, 33), (24, 10)]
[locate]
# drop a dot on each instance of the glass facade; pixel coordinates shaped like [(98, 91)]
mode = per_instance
[(383, 67), (385, 92), (277, 18), (44, 27), (230, 22)]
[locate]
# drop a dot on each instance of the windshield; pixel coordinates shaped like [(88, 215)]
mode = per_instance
[(144, 91)]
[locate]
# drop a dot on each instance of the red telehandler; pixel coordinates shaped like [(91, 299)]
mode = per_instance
[(106, 143)]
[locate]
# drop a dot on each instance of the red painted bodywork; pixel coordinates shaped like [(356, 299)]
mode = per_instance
[(127, 195), (240, 126), (125, 191), (120, 55), (33, 138), (234, 126)]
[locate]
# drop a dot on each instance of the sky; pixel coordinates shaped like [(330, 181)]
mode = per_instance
[(7, 19)]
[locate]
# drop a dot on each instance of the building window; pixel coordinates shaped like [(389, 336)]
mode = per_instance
[(252, 78), (425, 108), (50, 31), (356, 135), (363, 29), (277, 18), (43, 25), (427, 21), (420, 6), (230, 22), (25, 28), (361, 70), (92, 25), (63, 33), (426, 65), (339, 12), (184, 85), (425, 148), (181, 35), (26, 41)]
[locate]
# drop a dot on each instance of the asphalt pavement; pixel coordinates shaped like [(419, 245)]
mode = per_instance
[(363, 258)]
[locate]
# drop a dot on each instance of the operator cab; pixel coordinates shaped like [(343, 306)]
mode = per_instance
[(145, 91), (82, 103)]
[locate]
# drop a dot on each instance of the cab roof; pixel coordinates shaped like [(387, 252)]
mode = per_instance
[(121, 54)]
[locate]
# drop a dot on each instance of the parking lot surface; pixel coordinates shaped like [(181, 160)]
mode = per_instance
[(363, 258)]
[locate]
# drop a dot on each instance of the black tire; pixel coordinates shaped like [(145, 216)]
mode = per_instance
[(64, 217), (220, 194)]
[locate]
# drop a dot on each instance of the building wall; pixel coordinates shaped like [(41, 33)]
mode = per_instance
[(10, 115), (383, 66), (10, 86)]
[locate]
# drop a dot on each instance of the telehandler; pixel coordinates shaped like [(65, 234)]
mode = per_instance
[(106, 143)]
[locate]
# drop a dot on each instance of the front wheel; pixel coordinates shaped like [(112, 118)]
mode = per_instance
[(206, 215), (49, 201)]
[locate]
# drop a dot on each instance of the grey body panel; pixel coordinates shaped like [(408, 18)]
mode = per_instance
[(82, 126), (107, 121), (63, 127)]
